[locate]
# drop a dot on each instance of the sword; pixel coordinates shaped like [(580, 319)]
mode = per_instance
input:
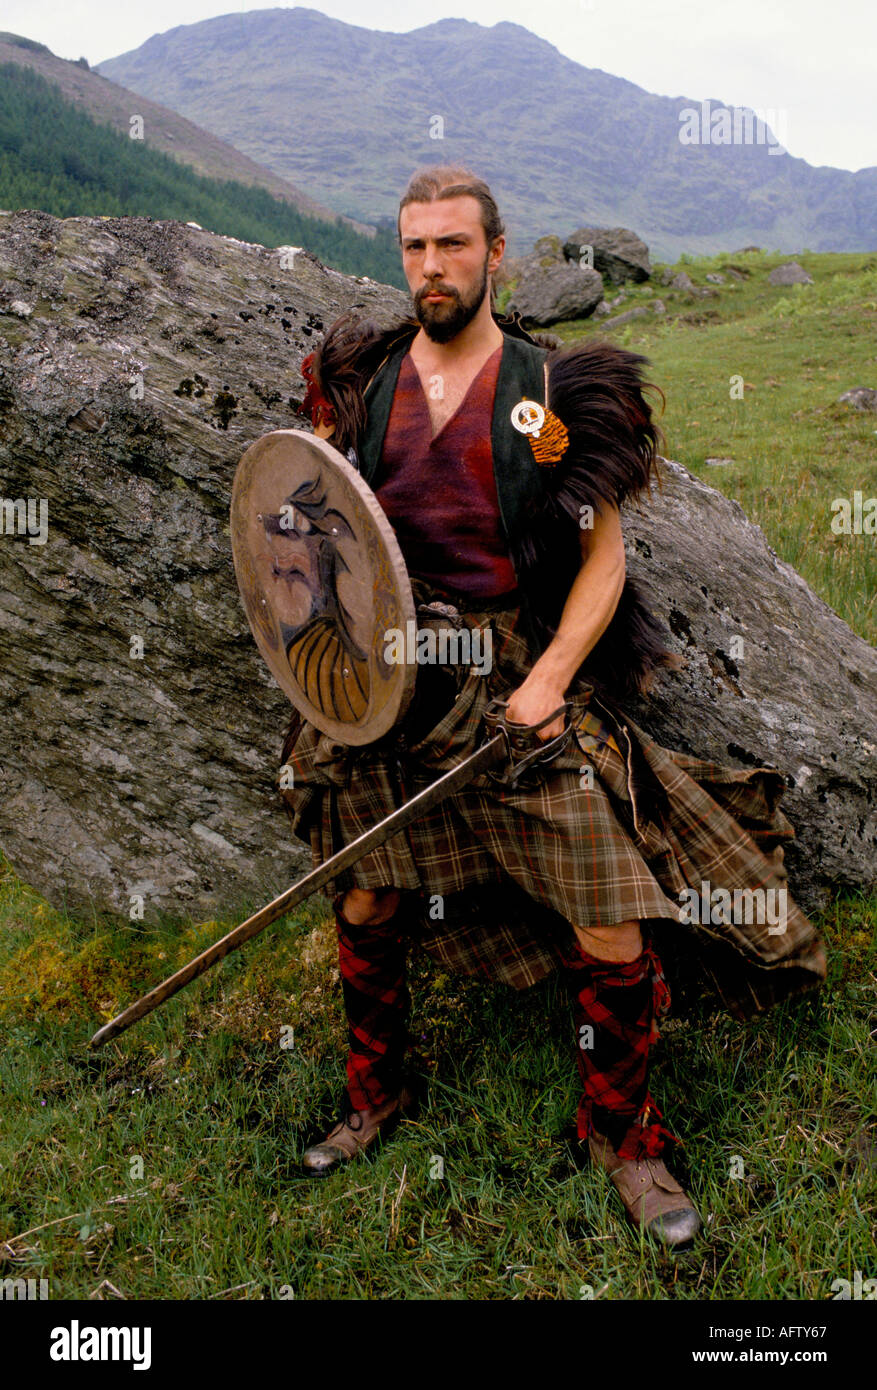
[(509, 741)]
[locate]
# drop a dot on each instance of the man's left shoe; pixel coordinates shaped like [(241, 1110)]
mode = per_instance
[(651, 1195)]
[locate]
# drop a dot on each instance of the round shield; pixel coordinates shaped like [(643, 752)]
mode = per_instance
[(323, 583)]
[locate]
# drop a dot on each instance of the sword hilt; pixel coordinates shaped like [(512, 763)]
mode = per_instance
[(525, 750)]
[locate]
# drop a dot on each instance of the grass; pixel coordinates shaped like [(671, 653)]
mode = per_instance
[(166, 1166), (794, 448)]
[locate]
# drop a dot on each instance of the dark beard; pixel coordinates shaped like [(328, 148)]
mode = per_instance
[(454, 317)]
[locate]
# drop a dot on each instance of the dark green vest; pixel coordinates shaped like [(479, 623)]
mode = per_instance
[(521, 375)]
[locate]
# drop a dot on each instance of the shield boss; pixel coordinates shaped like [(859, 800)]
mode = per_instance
[(323, 582)]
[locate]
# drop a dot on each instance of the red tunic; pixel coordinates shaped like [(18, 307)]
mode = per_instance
[(440, 494)]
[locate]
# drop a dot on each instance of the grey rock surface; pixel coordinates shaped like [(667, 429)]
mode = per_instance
[(154, 355), (618, 253), (554, 293), (617, 319), (860, 398), (791, 274), (773, 676)]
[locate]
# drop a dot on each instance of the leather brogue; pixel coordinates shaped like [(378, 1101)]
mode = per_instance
[(355, 1131), (652, 1197)]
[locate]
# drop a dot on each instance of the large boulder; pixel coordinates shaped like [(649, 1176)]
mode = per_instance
[(138, 361), (772, 675), (618, 253), (547, 288)]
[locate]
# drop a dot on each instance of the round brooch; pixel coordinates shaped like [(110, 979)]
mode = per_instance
[(547, 435), (528, 417)]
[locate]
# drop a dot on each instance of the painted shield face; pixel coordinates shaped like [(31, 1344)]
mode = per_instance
[(323, 581)]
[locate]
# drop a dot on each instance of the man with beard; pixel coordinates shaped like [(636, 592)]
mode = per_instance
[(517, 534)]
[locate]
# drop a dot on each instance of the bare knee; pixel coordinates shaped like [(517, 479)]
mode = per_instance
[(368, 906), (621, 942)]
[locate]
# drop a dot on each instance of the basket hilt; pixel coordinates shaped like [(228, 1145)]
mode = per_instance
[(526, 751)]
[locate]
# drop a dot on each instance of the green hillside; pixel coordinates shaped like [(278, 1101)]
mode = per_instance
[(786, 448), (55, 158)]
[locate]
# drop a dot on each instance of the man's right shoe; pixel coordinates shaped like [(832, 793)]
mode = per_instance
[(355, 1131)]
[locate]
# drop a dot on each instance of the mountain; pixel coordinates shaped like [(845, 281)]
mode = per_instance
[(349, 114), (164, 130), (55, 157)]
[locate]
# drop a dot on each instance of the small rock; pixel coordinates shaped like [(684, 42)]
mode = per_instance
[(861, 1152), (625, 318), (718, 462), (715, 278), (20, 309), (602, 310), (549, 246), (682, 281), (860, 398), (791, 274), (658, 307)]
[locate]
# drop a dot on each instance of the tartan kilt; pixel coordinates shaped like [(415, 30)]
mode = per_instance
[(495, 876)]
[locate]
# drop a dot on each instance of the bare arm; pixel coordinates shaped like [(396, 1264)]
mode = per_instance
[(587, 613)]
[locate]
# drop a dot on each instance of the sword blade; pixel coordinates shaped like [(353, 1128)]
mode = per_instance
[(485, 757)]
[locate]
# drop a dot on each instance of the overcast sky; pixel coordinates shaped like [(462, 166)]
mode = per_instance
[(814, 63)]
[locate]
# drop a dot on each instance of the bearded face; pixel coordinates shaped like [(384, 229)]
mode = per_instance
[(448, 263), (443, 319)]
